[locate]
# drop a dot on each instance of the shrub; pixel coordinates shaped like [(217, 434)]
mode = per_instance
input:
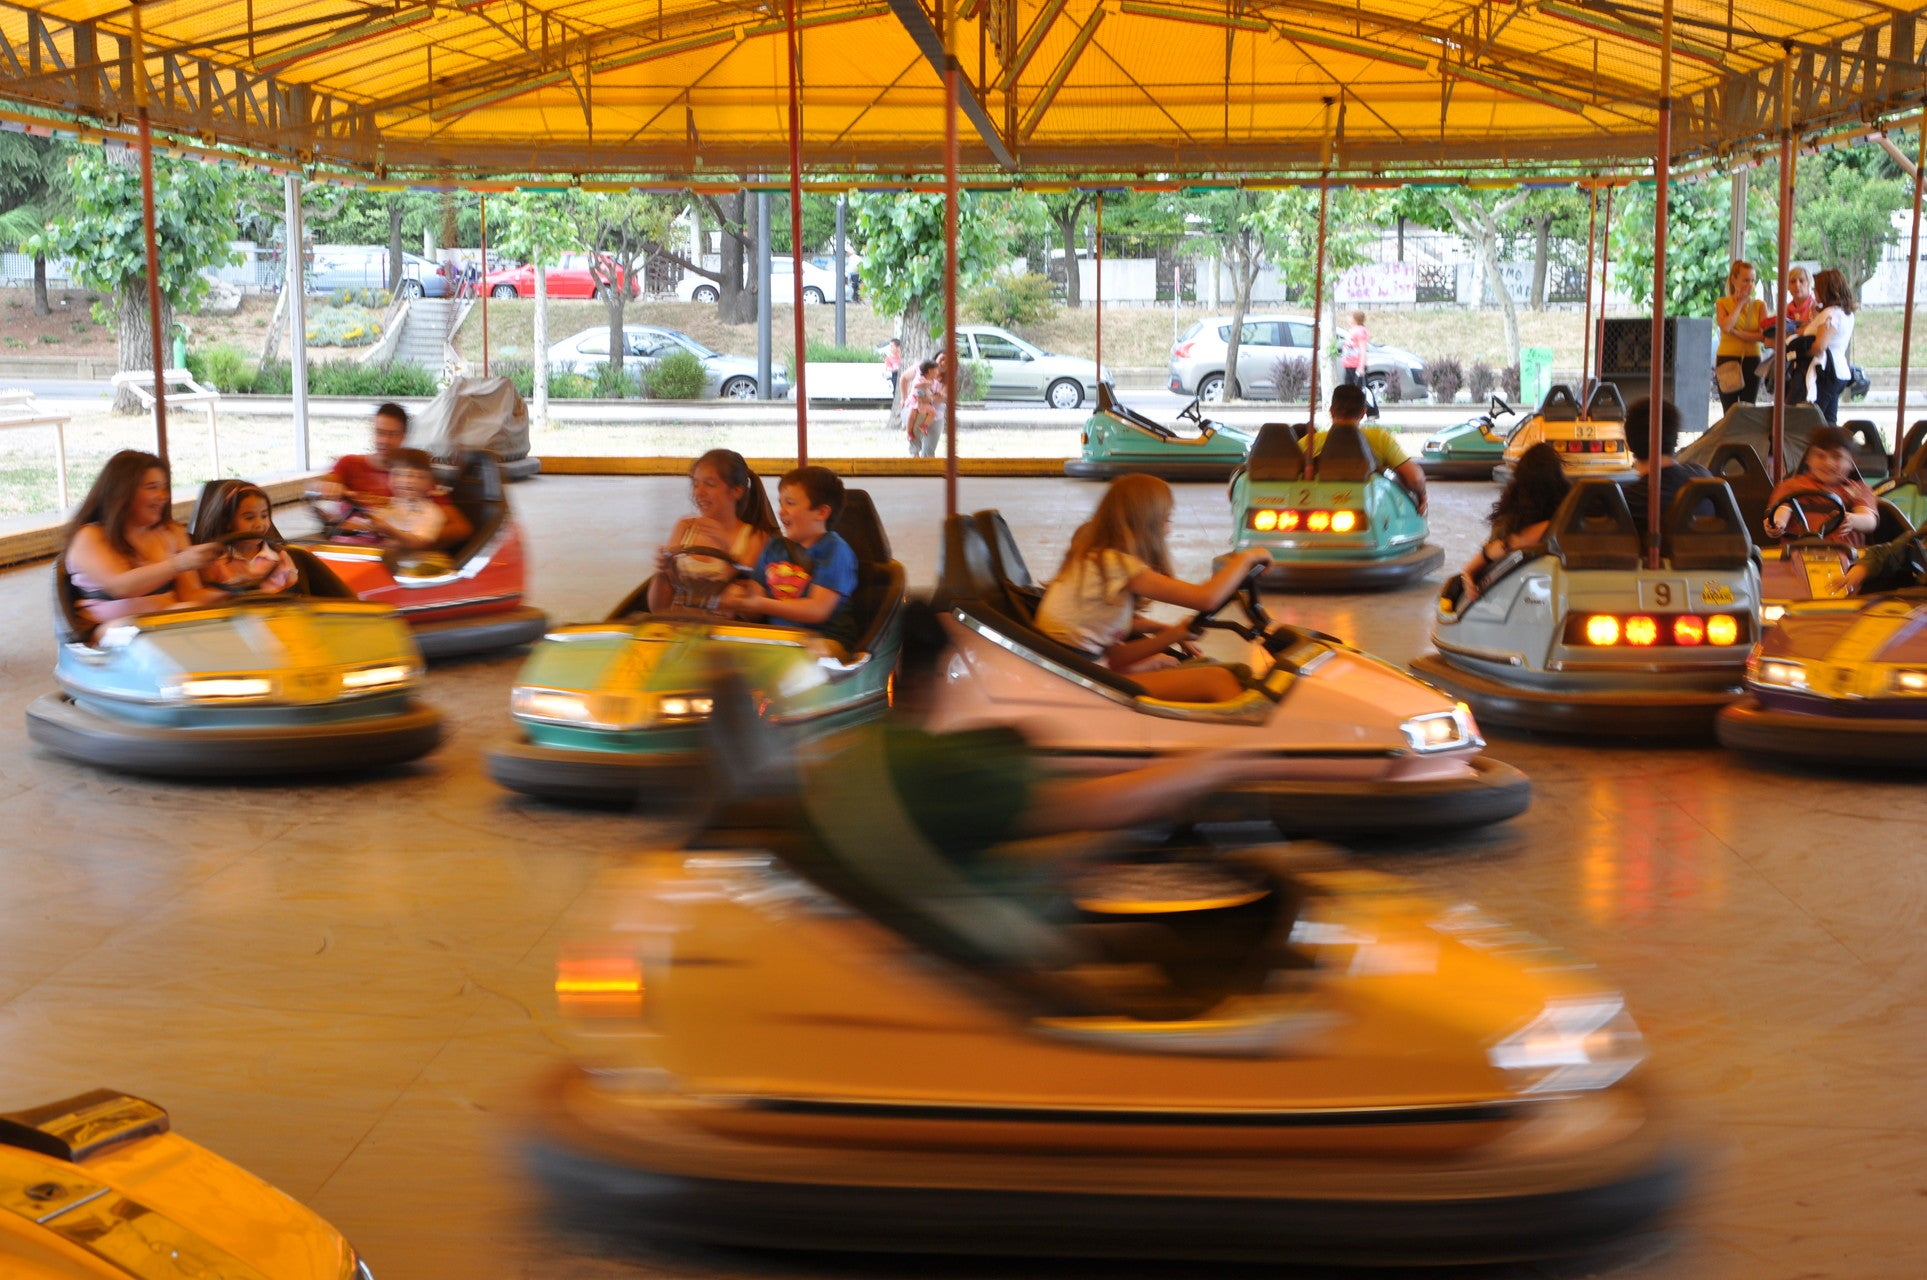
[(608, 384), (975, 377), (562, 386), (1479, 380), (1010, 299), (677, 376), (1394, 389), (221, 366), (1509, 383), (1291, 379), (1446, 375), (830, 353), (271, 378), (351, 378), (344, 325)]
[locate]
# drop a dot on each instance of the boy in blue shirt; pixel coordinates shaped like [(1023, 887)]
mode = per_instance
[(805, 578)]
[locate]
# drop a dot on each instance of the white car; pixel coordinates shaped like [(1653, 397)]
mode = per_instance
[(818, 285), (731, 377)]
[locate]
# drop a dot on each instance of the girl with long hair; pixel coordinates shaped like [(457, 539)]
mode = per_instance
[(125, 554), (733, 515), (1523, 512)]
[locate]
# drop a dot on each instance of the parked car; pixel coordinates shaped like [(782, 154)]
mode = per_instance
[(731, 377), (1197, 357), (818, 285), (334, 267), (1021, 370), (571, 277)]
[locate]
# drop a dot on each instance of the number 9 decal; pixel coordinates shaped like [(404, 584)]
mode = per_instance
[(1663, 593)]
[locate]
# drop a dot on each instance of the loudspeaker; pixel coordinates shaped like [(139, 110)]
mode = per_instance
[(1626, 361)]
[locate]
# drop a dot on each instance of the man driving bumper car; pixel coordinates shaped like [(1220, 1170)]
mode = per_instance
[(851, 1017)]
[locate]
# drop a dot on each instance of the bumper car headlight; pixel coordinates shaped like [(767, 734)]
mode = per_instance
[(1908, 681), (1572, 1046), (222, 688), (1771, 613), (377, 677), (1780, 674), (547, 704), (684, 707), (1441, 730)]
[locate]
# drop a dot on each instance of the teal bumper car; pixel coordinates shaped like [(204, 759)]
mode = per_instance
[(1121, 441), (1337, 522), (1469, 450), (1907, 487), (1580, 637), (612, 713), (310, 680)]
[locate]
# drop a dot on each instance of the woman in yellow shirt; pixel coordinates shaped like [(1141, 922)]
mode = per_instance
[(1740, 317)]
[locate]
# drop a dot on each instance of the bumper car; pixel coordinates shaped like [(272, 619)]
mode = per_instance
[(1580, 637), (1336, 522), (812, 1030), (1357, 747), (309, 680), (1753, 425), (476, 413), (467, 599), (1120, 441), (1469, 450), (1907, 487), (612, 713), (1591, 443), (99, 1187)]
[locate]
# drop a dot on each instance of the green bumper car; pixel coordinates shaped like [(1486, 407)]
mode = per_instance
[(1579, 636), (611, 713), (1469, 450), (1907, 488), (1337, 522), (1121, 441)]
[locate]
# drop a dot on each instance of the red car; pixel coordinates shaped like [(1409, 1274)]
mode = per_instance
[(570, 278)]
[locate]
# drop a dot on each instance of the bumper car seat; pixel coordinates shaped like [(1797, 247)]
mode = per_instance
[(880, 579), (1560, 405), (1007, 563), (1869, 450), (477, 496), (1594, 529), (1605, 404), (1703, 529), (1276, 455), (1346, 455), (1739, 465)]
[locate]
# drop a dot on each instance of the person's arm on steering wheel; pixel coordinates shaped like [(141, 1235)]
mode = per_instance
[(661, 592), (119, 577), (1412, 476), (1200, 597)]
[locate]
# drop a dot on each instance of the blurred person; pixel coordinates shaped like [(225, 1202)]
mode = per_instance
[(1741, 320), (805, 578), (1118, 557), (126, 555), (1672, 473), (1348, 405), (1352, 353), (733, 515), (1830, 331), (1827, 467), (249, 564), (411, 519), (893, 363), (359, 482), (1523, 512)]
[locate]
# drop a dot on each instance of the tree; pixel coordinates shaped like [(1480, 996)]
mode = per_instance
[(901, 238), (1699, 218), (1480, 216), (622, 232), (34, 190), (1232, 222), (1843, 211), (538, 230), (194, 223), (1546, 212), (819, 223), (1066, 210)]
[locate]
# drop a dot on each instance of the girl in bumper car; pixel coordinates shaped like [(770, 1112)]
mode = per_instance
[(733, 515), (126, 555), (1522, 514), (250, 564), (1118, 557)]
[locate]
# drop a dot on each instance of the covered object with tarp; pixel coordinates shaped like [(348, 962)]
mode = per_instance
[(477, 413), (1154, 87)]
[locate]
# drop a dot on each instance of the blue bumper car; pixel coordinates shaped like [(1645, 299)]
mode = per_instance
[(1120, 441), (1469, 450)]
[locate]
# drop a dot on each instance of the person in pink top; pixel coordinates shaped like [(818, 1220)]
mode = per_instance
[(1351, 354), (251, 564)]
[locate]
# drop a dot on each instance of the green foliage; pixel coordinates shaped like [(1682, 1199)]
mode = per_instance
[(194, 221), (1843, 213), (830, 353), (1446, 375), (1479, 381), (819, 222), (1011, 299), (345, 378), (611, 383), (562, 386), (535, 227), (222, 366), (356, 215), (677, 376), (33, 184), (1291, 375), (1698, 241), (902, 241), (344, 324), (974, 375)]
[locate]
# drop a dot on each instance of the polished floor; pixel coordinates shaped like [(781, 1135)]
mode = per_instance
[(345, 987)]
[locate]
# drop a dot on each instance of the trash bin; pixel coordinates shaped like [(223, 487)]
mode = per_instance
[(1535, 374)]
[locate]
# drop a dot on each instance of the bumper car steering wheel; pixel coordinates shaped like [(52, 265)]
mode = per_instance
[(268, 541), (1833, 508), (1257, 623)]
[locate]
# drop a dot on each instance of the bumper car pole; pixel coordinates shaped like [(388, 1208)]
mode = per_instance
[(1662, 173), (1776, 446), (1318, 271), (1907, 315), (950, 198), (1098, 302), (483, 288), (798, 382), (1605, 290), (155, 336), (1592, 248)]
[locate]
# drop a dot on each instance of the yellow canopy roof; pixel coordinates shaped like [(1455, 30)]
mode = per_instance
[(476, 88)]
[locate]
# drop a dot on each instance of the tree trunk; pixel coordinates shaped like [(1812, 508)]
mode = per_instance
[(1487, 244), (1240, 303), (735, 304), (41, 307), (540, 417), (394, 244), (136, 338), (1073, 281), (613, 304), (1541, 248)]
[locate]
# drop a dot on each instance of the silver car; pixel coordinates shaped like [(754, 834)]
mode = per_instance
[(731, 377), (1022, 370), (334, 267), (1197, 358)]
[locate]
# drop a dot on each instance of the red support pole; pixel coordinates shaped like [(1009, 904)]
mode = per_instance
[(1318, 296), (1605, 289), (1907, 316), (149, 238), (483, 285), (1662, 174), (1100, 285), (950, 267), (1585, 340), (1776, 440), (796, 240)]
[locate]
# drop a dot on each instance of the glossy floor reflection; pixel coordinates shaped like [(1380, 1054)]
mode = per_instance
[(345, 988)]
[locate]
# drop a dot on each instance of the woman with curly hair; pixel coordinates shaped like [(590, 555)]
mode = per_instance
[(1523, 512)]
